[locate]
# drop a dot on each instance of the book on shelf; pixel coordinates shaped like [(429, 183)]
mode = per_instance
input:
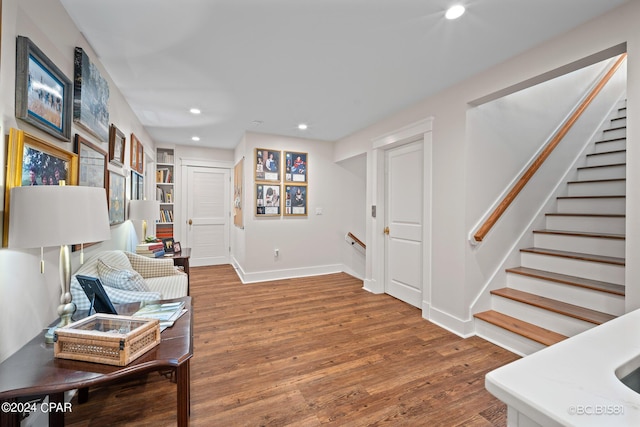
[(164, 157), (164, 176), (167, 313), (156, 254), (149, 248)]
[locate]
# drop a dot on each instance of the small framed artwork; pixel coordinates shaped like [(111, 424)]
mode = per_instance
[(137, 155), (90, 96), (168, 245), (92, 168), (116, 195), (43, 92), (295, 200), (117, 142), (295, 166), (267, 166), (177, 248), (267, 200), (33, 161), (137, 186)]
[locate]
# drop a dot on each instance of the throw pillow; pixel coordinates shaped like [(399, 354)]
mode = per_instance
[(152, 267), (127, 280)]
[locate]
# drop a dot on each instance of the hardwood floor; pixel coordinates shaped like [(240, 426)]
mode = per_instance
[(309, 352)]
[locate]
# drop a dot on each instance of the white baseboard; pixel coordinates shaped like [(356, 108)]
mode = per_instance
[(270, 275), (372, 286), (462, 328)]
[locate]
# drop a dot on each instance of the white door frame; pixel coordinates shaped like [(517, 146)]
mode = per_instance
[(375, 257), (184, 164)]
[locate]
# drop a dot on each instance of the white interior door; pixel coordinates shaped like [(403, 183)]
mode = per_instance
[(403, 245), (208, 208)]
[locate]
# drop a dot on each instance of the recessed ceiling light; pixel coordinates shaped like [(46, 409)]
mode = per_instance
[(455, 12), (195, 111), (303, 126), (195, 138)]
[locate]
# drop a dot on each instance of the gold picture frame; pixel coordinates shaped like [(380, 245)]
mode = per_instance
[(30, 159)]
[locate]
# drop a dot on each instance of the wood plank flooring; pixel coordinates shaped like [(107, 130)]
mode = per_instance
[(310, 352)]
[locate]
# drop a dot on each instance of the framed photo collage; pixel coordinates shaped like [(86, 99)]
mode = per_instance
[(281, 179)]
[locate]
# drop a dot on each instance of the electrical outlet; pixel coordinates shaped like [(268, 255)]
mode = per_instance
[(276, 252)]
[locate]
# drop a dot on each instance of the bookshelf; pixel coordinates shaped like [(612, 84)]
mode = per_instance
[(165, 191)]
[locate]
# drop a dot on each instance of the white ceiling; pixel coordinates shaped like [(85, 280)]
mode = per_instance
[(338, 65)]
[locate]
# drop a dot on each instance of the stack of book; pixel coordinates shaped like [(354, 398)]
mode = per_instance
[(152, 250)]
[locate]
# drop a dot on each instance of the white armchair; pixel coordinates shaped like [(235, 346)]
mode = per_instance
[(129, 277)]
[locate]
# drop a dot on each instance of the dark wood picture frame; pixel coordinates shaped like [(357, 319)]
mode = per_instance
[(90, 96), (43, 92), (137, 155), (117, 143), (92, 163)]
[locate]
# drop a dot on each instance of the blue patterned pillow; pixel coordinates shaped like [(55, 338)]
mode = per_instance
[(127, 280)]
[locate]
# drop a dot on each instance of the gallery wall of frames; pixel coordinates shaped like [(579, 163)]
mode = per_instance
[(281, 183)]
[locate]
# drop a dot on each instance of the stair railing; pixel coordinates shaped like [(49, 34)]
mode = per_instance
[(354, 240), (488, 224)]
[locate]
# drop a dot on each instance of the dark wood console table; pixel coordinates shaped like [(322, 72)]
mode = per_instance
[(182, 259), (33, 371)]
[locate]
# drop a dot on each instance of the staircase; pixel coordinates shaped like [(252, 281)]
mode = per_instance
[(573, 278)]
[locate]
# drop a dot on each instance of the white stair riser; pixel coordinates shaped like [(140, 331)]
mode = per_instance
[(582, 244), (605, 205), (603, 172), (594, 300), (597, 188), (615, 131), (546, 319), (574, 267), (594, 224), (614, 145), (508, 340), (607, 159), (620, 119)]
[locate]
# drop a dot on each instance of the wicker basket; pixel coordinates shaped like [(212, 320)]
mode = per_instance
[(106, 338)]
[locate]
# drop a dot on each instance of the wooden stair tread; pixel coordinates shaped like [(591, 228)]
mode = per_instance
[(576, 255), (595, 285), (566, 309), (586, 215), (581, 234), (517, 326)]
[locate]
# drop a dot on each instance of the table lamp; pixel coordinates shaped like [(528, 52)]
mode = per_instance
[(74, 215), (145, 210)]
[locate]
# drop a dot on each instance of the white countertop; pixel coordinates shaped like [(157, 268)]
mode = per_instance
[(573, 383)]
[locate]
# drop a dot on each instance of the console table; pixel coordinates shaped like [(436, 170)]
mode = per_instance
[(182, 259), (33, 371)]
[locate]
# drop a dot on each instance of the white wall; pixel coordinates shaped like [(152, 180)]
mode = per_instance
[(28, 300), (308, 245), (453, 285)]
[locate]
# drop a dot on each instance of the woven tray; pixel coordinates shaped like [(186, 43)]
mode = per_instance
[(106, 338)]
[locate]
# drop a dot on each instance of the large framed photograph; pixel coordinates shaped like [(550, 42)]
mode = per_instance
[(33, 161), (295, 203), (92, 170), (295, 166), (137, 154), (90, 96), (267, 200), (267, 166), (43, 92), (117, 143), (116, 195), (137, 186)]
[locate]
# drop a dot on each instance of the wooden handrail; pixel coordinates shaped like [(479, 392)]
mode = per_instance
[(551, 145), (356, 240)]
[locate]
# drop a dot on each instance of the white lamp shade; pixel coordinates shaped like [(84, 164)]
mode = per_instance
[(148, 210), (43, 216)]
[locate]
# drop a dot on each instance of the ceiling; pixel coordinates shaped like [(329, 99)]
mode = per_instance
[(267, 65)]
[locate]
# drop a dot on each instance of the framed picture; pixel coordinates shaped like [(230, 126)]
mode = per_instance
[(43, 92), (295, 167), (92, 168), (295, 202), (137, 186), (267, 166), (267, 200), (238, 182), (33, 161), (137, 154), (168, 245), (177, 248), (116, 194), (90, 96), (117, 142)]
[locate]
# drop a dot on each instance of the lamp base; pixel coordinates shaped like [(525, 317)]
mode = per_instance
[(65, 311)]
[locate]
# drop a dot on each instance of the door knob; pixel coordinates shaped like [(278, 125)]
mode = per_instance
[(190, 222), (386, 231)]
